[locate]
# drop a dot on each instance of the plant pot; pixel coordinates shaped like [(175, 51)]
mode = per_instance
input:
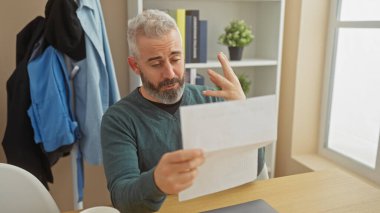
[(235, 53)]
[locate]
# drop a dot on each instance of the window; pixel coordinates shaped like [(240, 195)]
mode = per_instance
[(351, 125)]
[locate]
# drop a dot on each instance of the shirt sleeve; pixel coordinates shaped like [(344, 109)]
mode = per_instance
[(131, 190)]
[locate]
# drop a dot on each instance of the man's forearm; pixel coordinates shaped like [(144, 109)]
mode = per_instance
[(137, 195)]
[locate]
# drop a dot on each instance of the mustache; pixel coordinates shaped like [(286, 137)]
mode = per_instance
[(168, 82)]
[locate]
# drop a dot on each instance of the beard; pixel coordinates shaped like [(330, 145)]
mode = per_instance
[(169, 96)]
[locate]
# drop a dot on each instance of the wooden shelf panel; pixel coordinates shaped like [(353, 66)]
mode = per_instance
[(242, 63)]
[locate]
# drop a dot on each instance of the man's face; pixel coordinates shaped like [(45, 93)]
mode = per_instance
[(161, 67)]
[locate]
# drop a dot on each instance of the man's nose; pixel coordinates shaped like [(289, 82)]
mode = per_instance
[(168, 71)]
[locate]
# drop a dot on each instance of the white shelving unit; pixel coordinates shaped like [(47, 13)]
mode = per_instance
[(261, 59)]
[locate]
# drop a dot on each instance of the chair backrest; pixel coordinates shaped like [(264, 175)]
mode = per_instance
[(20, 191), (100, 209)]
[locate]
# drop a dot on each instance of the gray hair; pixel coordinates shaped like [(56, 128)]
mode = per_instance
[(150, 23)]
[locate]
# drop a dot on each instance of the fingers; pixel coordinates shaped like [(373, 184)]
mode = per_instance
[(215, 93), (188, 165), (184, 160), (229, 90), (187, 177), (182, 155), (183, 182), (227, 70), (218, 80), (229, 83), (177, 170)]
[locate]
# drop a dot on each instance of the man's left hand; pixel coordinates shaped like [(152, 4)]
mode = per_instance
[(229, 84)]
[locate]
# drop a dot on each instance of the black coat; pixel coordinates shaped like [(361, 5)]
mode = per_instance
[(18, 143), (62, 30)]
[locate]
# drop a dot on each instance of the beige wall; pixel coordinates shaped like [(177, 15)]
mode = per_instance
[(14, 15), (284, 164), (302, 73)]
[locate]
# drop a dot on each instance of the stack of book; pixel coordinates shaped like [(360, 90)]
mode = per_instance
[(194, 34)]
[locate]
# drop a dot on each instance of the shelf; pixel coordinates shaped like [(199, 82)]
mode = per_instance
[(242, 63)]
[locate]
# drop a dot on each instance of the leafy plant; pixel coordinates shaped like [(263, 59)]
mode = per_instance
[(236, 34), (245, 84)]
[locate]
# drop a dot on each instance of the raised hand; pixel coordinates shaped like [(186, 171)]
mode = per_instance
[(229, 84)]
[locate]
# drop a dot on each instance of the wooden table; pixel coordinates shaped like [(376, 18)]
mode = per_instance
[(325, 191)]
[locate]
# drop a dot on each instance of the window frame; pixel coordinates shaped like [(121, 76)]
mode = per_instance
[(331, 49)]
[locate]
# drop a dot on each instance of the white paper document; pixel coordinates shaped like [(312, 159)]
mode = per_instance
[(230, 134)]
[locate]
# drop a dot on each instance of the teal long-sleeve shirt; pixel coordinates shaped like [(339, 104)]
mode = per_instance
[(135, 134)]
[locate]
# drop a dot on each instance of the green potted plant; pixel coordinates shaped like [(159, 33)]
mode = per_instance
[(236, 36), (245, 83)]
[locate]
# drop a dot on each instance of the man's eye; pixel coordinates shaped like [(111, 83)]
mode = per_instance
[(156, 65), (176, 60)]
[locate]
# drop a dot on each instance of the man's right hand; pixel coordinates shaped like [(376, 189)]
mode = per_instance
[(177, 170)]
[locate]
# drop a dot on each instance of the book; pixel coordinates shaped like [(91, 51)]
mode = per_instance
[(189, 41), (180, 16), (188, 75), (199, 80), (194, 35), (202, 41)]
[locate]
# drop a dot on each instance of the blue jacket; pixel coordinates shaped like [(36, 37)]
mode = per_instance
[(50, 109), (95, 84)]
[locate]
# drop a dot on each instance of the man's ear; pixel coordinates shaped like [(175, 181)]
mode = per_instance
[(133, 64)]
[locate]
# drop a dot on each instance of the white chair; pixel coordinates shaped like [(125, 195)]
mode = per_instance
[(20, 192), (100, 209)]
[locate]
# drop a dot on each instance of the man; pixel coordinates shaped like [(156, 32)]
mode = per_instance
[(141, 136)]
